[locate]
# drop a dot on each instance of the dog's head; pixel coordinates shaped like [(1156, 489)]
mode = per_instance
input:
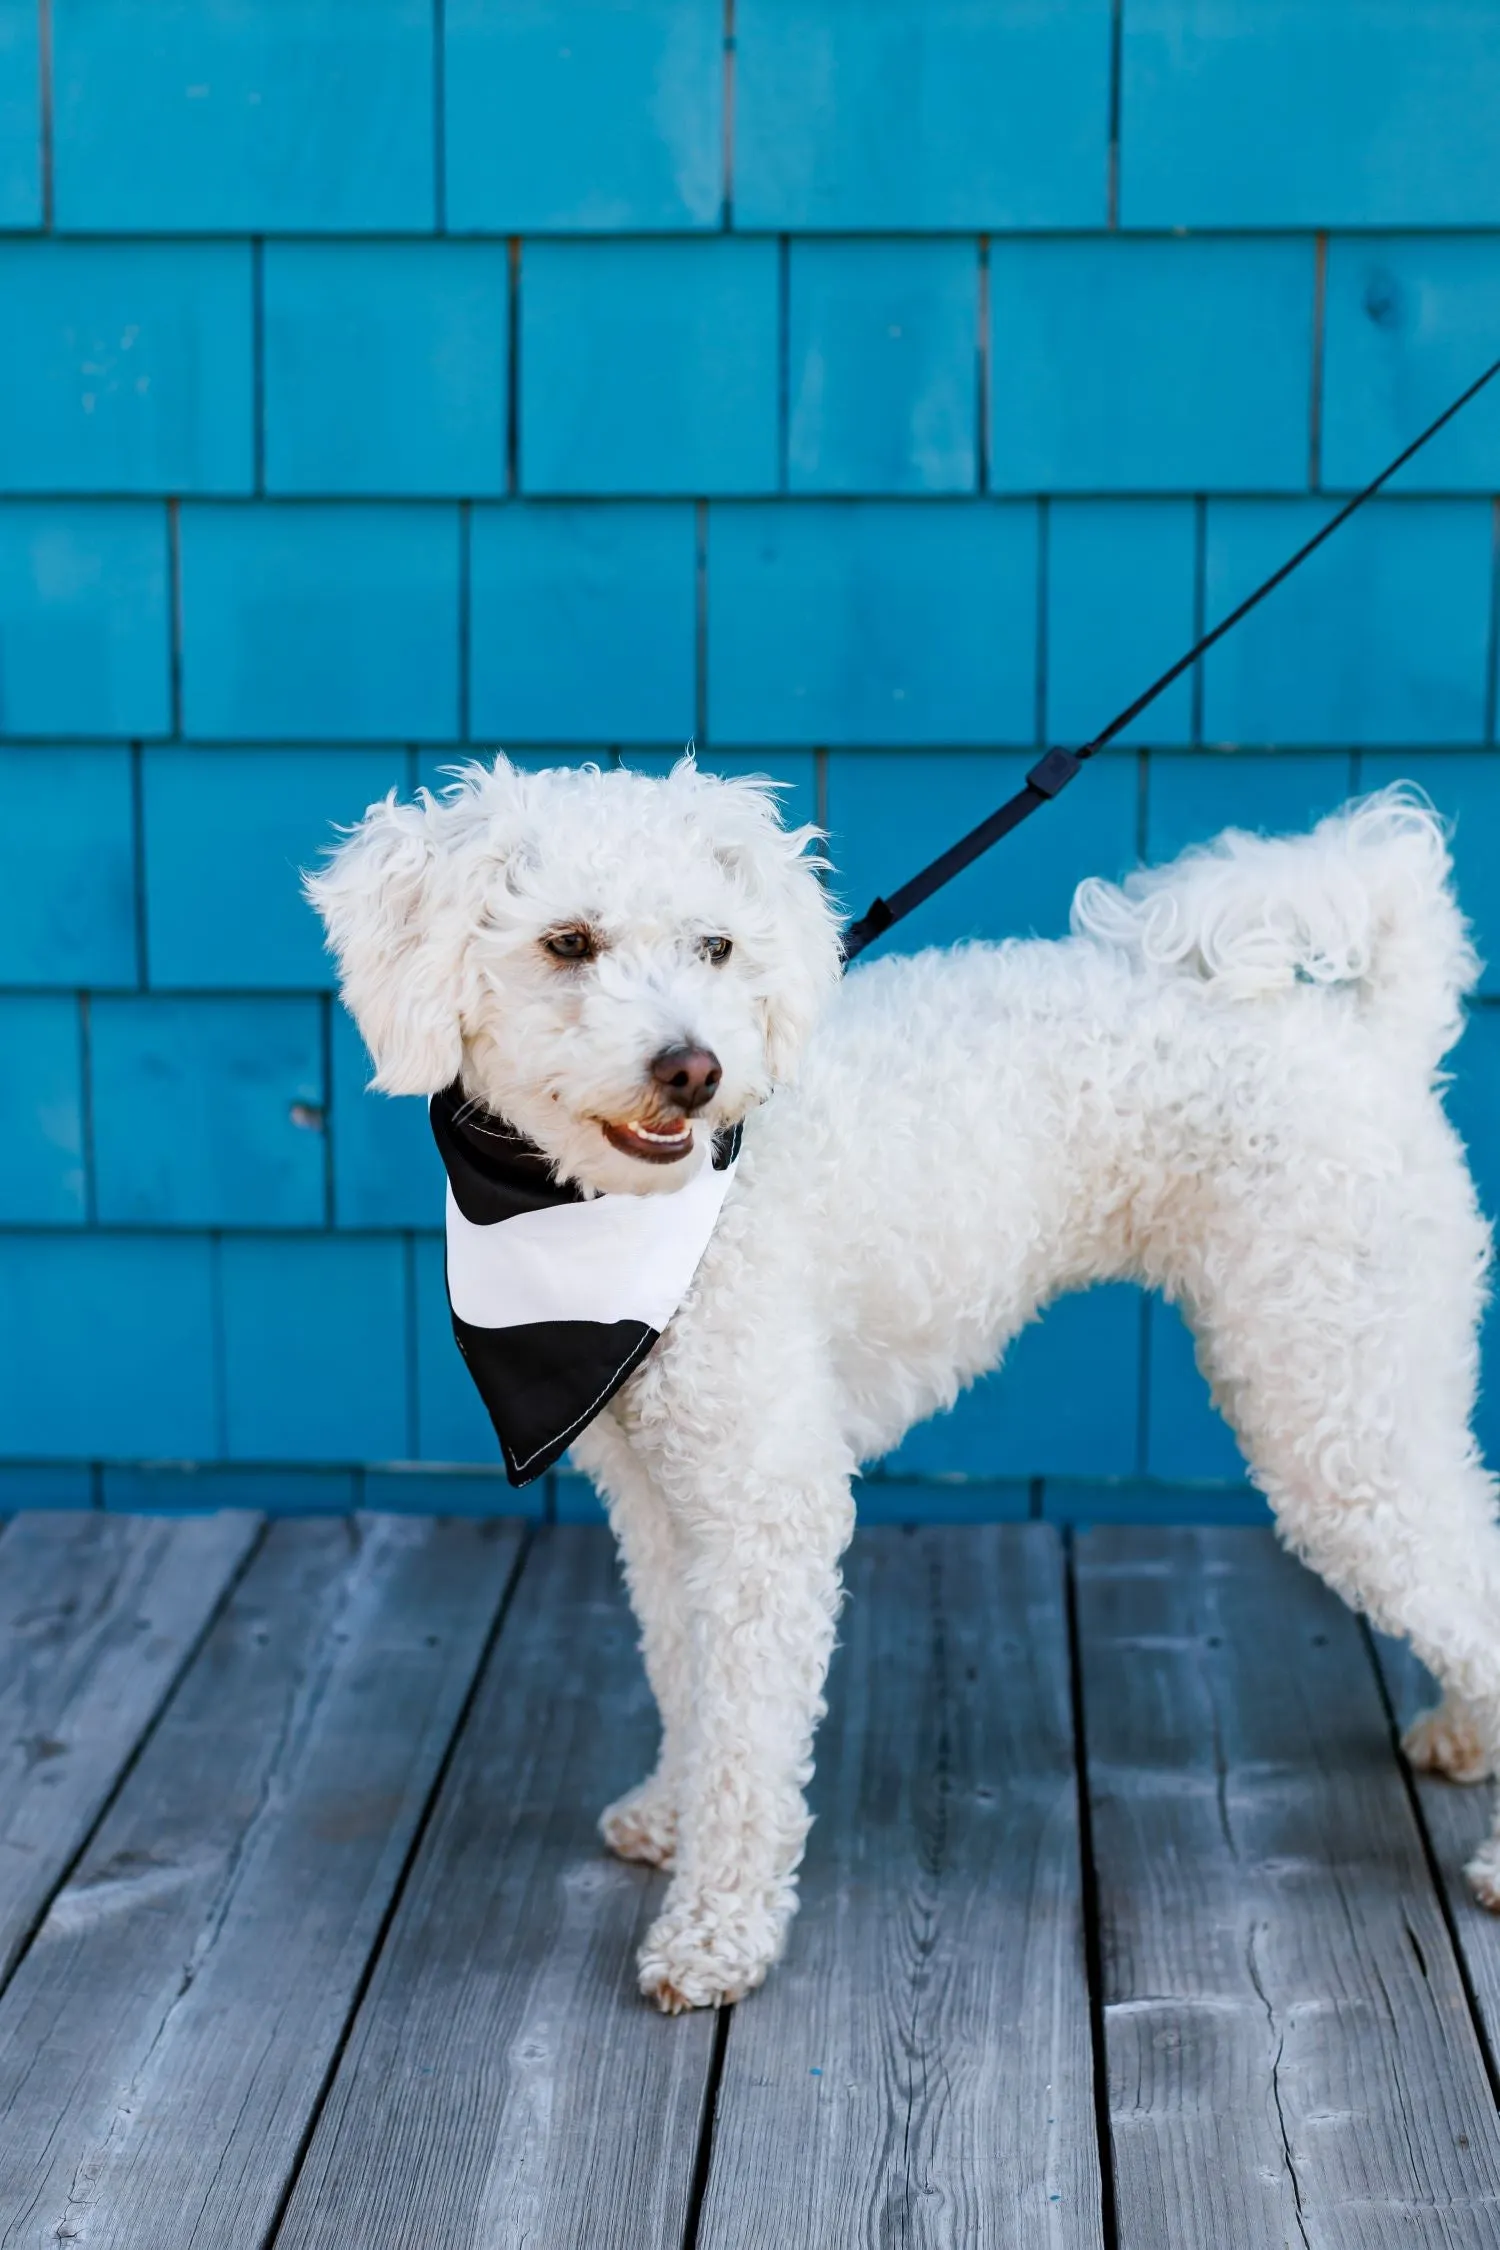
[(616, 964)]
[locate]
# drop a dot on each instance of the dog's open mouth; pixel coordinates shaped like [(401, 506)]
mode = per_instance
[(653, 1144)]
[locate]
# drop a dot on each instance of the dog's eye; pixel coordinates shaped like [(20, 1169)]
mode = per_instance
[(717, 949), (570, 945)]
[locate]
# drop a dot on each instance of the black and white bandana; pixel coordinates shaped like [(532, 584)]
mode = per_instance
[(556, 1296)]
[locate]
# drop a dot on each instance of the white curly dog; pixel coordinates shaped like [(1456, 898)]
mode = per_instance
[(1223, 1085)]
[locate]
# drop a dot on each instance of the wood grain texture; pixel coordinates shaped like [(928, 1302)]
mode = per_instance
[(165, 2040), (98, 1615), (504, 2084), (918, 2069), (1457, 1820), (1291, 2057)]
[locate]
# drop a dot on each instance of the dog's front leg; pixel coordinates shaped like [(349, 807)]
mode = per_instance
[(643, 1823), (763, 1591)]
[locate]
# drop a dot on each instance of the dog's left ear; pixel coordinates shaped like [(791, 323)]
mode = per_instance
[(810, 962), (779, 872), (399, 964)]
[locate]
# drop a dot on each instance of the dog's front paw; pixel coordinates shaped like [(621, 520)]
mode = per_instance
[(642, 1825), (710, 1949), (1448, 1741), (1483, 1871)]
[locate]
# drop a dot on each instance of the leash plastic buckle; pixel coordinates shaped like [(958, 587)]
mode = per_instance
[(867, 929), (1050, 776)]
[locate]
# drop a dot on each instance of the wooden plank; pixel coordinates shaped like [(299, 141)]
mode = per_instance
[(1290, 2055), (504, 2083), (165, 2041), (918, 2069), (1457, 1820), (98, 1615)]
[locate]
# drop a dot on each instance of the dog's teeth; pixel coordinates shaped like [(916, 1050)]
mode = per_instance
[(668, 1135)]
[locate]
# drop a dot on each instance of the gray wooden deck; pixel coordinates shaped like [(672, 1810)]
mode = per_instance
[(306, 1940)]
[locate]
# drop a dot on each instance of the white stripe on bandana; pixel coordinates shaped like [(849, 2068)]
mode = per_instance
[(556, 1298)]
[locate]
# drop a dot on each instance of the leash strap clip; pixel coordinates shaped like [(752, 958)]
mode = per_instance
[(1050, 776), (873, 923)]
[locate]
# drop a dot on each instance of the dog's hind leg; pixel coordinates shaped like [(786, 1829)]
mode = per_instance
[(642, 1824), (1339, 1333)]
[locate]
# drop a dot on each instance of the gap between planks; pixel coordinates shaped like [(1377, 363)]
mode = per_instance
[(166, 2038), (1290, 2053)]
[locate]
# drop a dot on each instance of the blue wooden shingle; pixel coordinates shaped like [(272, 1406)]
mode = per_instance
[(1465, 787), (890, 812), (451, 1423), (1304, 113), (315, 1347), (649, 367), (920, 114), (1078, 1500), (386, 368), (1120, 588), (250, 118), (227, 833), (1411, 321), (599, 118), (1191, 799), (125, 367), (1205, 379), (883, 1497), (41, 1110), (304, 621), (574, 1498), (20, 114), (207, 1113), (1473, 1103), (85, 635), (144, 1384), (1382, 637), (1066, 1401), (882, 366), (872, 621), (386, 1169), (196, 1487), (46, 1484), (583, 622), (1185, 1438), (67, 867), (413, 1488)]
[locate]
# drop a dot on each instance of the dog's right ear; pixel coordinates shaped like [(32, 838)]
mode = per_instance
[(399, 964)]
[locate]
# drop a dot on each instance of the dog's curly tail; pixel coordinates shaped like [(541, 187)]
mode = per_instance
[(1365, 900)]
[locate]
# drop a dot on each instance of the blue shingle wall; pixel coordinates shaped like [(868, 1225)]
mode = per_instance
[(872, 392)]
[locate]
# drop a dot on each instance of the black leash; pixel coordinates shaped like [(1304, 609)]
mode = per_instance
[(1051, 774)]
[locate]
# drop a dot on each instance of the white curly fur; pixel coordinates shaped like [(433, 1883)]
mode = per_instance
[(1223, 1085)]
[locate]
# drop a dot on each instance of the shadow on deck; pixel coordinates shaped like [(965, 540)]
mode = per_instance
[(307, 1939)]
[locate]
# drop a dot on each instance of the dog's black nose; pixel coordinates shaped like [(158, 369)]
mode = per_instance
[(689, 1076)]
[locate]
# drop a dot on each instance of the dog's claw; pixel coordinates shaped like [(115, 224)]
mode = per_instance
[(642, 1825), (708, 1953), (1483, 1871), (1448, 1741)]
